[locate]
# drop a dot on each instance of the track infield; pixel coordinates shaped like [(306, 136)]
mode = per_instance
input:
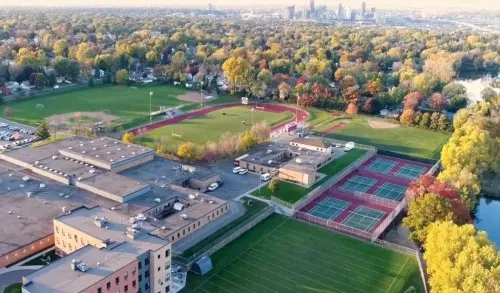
[(289, 256)]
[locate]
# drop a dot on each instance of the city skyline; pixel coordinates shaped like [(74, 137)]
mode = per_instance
[(429, 4)]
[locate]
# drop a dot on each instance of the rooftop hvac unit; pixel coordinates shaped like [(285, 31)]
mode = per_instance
[(298, 161), (111, 160), (42, 185), (178, 206), (66, 196), (102, 139), (97, 156), (108, 153), (26, 178), (158, 200), (132, 220), (184, 216), (92, 171), (163, 228), (270, 162), (95, 149), (54, 157), (141, 217), (269, 151), (21, 185), (63, 209), (192, 196), (115, 142), (122, 157), (105, 145), (118, 149), (29, 194), (81, 144), (91, 141), (133, 153), (211, 201), (61, 194), (36, 162), (79, 178), (128, 145), (113, 208), (83, 152), (70, 148)]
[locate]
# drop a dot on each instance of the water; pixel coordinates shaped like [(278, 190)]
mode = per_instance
[(475, 86), (487, 218)]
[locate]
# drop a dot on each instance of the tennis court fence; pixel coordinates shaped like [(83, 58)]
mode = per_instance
[(332, 225), (434, 168), (390, 218), (385, 202)]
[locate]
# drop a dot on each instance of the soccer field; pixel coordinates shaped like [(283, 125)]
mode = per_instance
[(131, 104), (286, 255), (211, 126)]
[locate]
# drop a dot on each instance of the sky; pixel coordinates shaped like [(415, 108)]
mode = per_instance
[(424, 4)]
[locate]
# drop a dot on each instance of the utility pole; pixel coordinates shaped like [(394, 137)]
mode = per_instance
[(201, 94), (150, 113), (252, 110)]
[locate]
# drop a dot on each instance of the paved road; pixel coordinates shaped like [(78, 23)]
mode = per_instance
[(13, 277)]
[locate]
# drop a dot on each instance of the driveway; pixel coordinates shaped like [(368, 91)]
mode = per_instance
[(234, 184)]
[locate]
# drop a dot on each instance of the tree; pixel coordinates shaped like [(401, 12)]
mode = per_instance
[(488, 94), (437, 102), (129, 137), (407, 117), (443, 123), (352, 109), (9, 112), (187, 151), (425, 83), (61, 48), (429, 184), (460, 259), (121, 76), (442, 65), (374, 87), (40, 81), (273, 185), (42, 131), (372, 106), (284, 90), (235, 70), (51, 79), (412, 100), (460, 118), (248, 140), (422, 212), (434, 123), (91, 81)]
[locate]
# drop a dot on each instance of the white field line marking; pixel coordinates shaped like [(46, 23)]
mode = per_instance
[(397, 275)]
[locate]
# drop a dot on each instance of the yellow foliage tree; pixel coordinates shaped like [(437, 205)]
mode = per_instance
[(187, 151), (461, 260), (129, 137)]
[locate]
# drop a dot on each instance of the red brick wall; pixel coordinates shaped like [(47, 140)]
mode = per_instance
[(27, 250)]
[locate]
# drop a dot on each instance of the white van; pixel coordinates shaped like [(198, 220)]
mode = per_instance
[(265, 177)]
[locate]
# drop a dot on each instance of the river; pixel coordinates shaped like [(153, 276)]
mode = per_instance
[(487, 218)]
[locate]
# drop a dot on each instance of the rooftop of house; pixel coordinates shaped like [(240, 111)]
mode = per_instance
[(59, 277)]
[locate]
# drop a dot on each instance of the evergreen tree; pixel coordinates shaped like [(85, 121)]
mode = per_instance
[(43, 131)]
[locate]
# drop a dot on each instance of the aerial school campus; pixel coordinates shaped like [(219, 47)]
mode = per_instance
[(320, 229)]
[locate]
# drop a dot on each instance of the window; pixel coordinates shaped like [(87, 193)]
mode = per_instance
[(99, 290), (133, 283), (69, 235), (159, 268), (167, 289), (125, 277), (167, 253), (108, 285), (140, 265), (63, 233), (76, 238), (159, 256), (125, 288), (198, 223), (69, 245), (194, 225), (133, 271), (140, 278), (146, 261), (147, 286), (183, 232), (173, 238), (189, 229), (57, 229), (179, 235), (117, 280), (146, 274)]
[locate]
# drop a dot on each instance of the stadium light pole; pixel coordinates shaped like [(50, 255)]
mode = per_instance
[(201, 94), (252, 110), (150, 113)]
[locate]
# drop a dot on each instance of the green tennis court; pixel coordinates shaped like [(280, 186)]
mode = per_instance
[(358, 184), (363, 218), (329, 208), (391, 191), (380, 165), (410, 171)]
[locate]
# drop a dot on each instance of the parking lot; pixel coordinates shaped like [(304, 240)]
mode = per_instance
[(13, 134), (234, 184)]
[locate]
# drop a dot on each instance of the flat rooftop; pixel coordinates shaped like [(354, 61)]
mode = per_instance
[(58, 277), (22, 225), (115, 184), (264, 153), (82, 219), (105, 150)]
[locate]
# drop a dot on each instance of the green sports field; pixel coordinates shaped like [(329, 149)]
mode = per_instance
[(130, 104), (211, 126), (289, 256), (407, 140)]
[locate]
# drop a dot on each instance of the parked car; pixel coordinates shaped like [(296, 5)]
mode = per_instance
[(243, 171), (213, 186), (236, 170), (265, 177)]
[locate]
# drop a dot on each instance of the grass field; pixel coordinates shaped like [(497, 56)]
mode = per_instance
[(291, 193), (406, 140), (128, 103), (211, 126), (14, 288), (285, 255), (250, 210)]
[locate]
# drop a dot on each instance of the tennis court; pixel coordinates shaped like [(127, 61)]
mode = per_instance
[(381, 165), (358, 184), (363, 218), (410, 171), (329, 208), (391, 191)]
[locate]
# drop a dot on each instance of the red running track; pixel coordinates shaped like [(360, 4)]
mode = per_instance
[(275, 108)]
